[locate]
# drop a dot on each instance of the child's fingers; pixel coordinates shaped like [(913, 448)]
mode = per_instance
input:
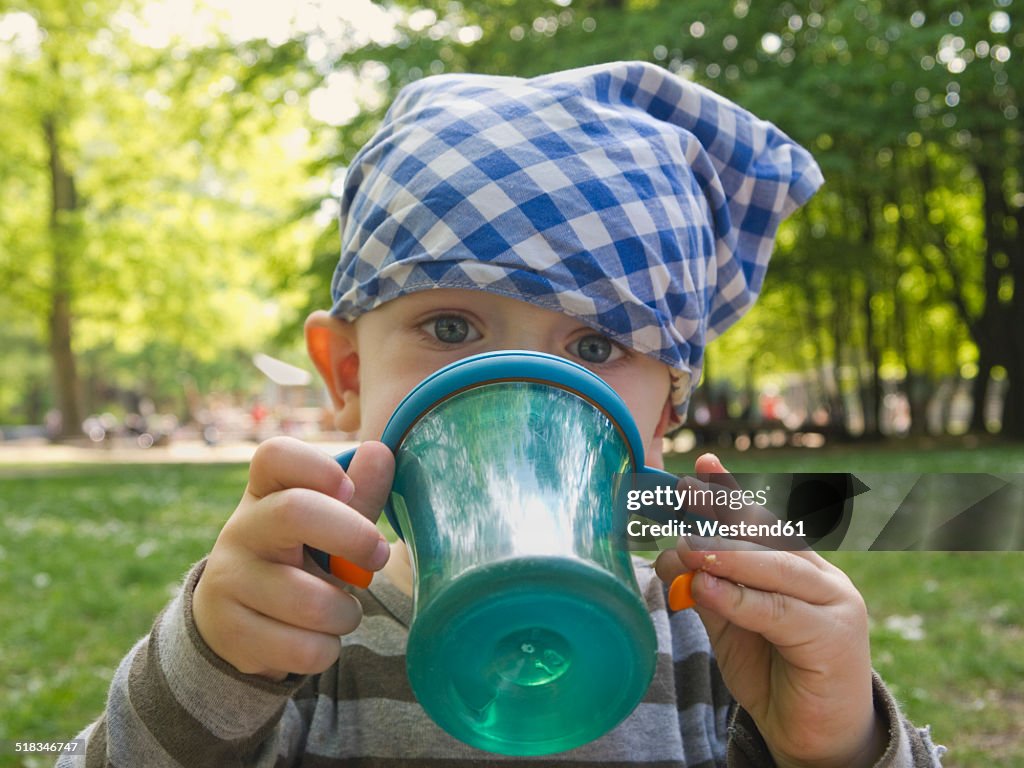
[(785, 573), (781, 619), (271, 648), (713, 479), (708, 465), (712, 474), (284, 462), (295, 597), (277, 525), (667, 566), (372, 470)]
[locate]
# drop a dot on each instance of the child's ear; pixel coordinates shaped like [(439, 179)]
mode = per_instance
[(331, 343)]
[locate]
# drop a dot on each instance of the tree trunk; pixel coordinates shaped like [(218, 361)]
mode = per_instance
[(873, 399), (1013, 408), (63, 203), (816, 330), (1013, 405), (837, 405), (873, 394), (979, 392)]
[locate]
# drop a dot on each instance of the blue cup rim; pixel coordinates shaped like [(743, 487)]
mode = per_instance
[(509, 366)]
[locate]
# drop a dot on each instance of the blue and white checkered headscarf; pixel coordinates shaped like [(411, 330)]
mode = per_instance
[(637, 202)]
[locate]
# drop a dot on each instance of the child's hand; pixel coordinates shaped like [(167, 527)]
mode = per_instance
[(790, 632), (255, 605)]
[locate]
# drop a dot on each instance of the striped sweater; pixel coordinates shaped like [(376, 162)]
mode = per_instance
[(174, 703)]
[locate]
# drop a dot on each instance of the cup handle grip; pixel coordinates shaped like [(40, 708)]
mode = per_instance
[(339, 566)]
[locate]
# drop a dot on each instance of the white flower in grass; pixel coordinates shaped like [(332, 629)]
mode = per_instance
[(908, 627), (146, 548)]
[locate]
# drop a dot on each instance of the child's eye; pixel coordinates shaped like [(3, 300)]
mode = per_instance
[(595, 348), (450, 329)]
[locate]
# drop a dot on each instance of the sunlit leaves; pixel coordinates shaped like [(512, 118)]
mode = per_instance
[(188, 167)]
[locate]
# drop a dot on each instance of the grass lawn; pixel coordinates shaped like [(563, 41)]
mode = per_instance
[(90, 553)]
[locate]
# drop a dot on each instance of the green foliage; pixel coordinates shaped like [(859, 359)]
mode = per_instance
[(187, 178), (194, 163)]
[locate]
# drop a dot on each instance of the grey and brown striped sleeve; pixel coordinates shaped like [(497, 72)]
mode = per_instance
[(173, 703), (909, 746)]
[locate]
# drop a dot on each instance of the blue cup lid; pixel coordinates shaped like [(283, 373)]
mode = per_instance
[(509, 366)]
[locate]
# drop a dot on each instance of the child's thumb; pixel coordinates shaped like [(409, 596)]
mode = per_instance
[(371, 471)]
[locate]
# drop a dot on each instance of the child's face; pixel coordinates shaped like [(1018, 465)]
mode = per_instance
[(406, 339)]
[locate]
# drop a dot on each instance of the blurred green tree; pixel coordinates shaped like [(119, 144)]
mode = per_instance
[(150, 194), (905, 271)]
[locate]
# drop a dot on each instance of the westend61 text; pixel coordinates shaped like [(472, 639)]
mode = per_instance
[(713, 528)]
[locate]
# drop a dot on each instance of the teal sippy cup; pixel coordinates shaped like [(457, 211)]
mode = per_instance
[(529, 633)]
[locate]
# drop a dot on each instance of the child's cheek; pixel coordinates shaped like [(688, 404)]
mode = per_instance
[(379, 397)]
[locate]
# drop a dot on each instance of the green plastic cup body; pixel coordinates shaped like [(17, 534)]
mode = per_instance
[(529, 633)]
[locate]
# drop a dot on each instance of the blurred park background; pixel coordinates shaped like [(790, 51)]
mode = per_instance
[(168, 173)]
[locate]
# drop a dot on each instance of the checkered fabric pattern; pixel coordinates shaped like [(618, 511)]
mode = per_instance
[(641, 204)]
